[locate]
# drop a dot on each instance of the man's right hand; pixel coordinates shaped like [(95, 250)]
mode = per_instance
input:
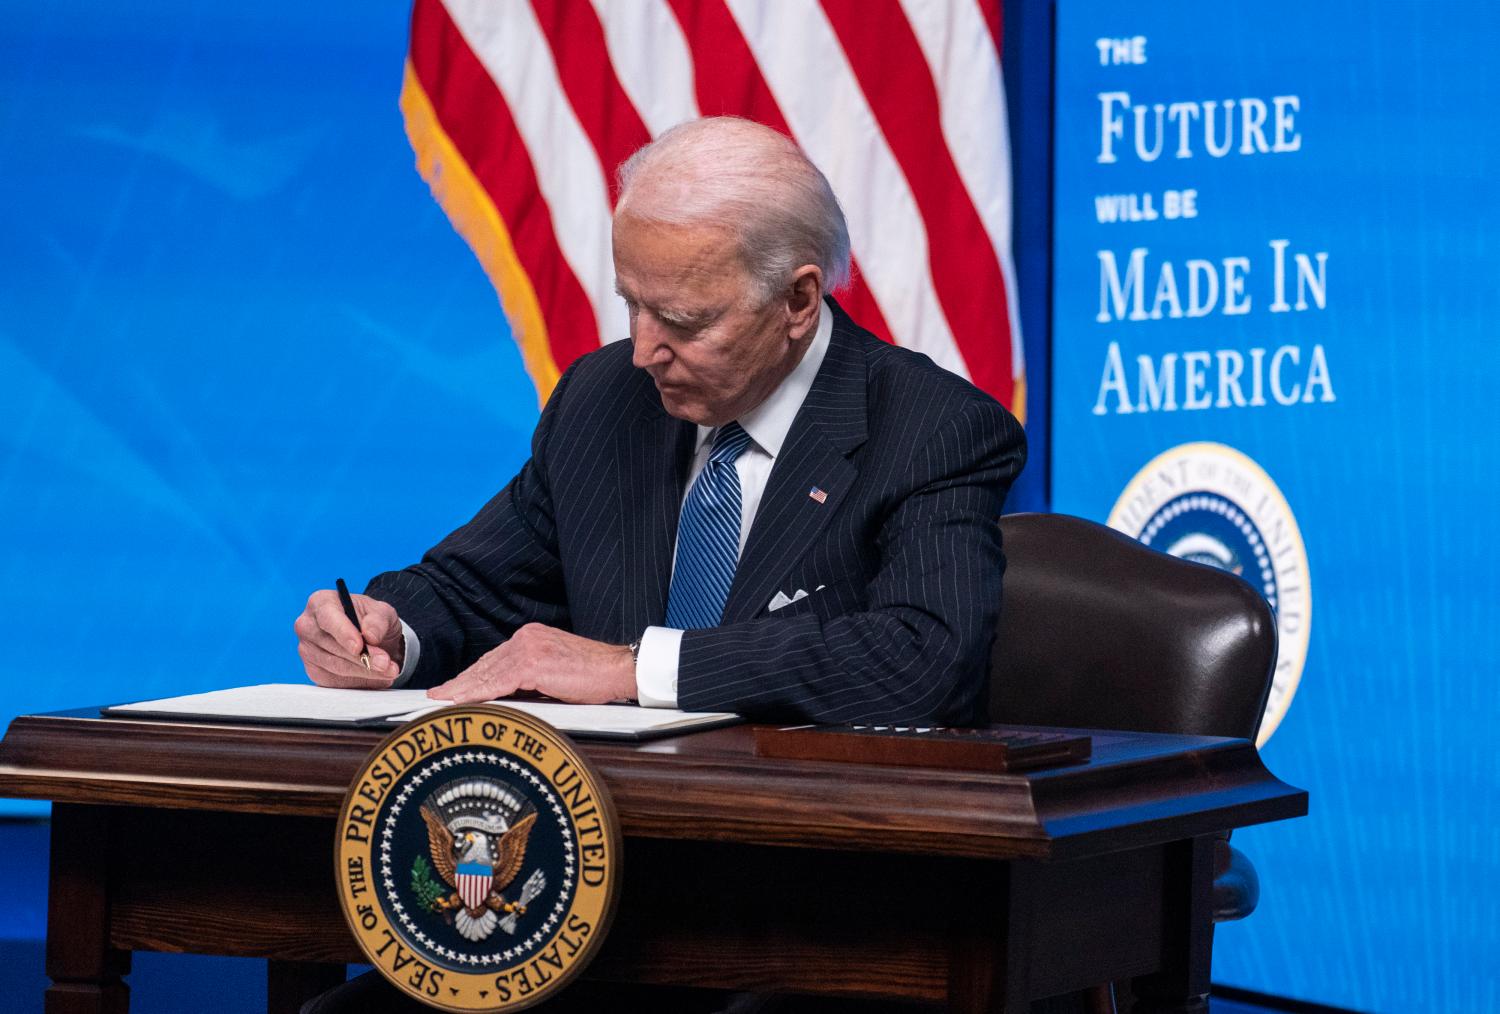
[(330, 645)]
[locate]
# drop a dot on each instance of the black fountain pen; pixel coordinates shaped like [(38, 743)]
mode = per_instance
[(364, 655)]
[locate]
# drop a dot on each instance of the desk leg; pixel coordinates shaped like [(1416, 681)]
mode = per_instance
[(290, 984), (1182, 985), (85, 970), (988, 963)]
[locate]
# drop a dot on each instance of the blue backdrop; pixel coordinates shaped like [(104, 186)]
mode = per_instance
[(242, 352), (1377, 428)]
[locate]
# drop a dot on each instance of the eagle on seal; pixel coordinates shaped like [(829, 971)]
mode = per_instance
[(478, 852)]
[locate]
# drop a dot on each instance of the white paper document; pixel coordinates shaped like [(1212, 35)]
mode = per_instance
[(298, 703), (291, 701)]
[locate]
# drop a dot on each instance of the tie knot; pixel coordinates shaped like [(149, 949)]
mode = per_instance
[(729, 444)]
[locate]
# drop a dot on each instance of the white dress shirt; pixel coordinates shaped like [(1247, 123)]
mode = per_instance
[(767, 424)]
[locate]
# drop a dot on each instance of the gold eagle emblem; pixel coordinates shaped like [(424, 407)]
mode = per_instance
[(477, 842)]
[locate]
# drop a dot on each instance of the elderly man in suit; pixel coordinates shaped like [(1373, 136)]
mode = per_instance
[(753, 505)]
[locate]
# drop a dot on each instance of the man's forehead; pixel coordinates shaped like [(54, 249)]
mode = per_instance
[(699, 238), (684, 266)]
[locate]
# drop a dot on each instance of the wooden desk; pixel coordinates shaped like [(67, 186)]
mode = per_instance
[(978, 891)]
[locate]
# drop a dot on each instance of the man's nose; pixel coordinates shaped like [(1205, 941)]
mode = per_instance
[(646, 338)]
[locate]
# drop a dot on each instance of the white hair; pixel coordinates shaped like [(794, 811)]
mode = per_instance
[(746, 177)]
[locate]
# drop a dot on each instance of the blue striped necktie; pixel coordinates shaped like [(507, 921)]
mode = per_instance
[(708, 537)]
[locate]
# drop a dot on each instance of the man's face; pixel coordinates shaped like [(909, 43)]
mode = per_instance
[(714, 348)]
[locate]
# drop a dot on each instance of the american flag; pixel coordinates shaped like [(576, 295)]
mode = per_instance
[(818, 495), (520, 111)]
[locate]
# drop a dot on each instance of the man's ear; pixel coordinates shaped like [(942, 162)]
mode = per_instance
[(803, 298)]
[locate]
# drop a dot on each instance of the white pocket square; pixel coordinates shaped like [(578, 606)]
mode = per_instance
[(781, 599)]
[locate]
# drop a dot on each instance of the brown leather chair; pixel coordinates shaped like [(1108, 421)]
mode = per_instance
[(1098, 631)]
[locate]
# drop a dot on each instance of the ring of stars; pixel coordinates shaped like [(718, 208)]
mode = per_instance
[(1215, 504), (388, 876)]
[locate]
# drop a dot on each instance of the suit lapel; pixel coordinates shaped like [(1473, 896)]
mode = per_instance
[(829, 426), (653, 454)]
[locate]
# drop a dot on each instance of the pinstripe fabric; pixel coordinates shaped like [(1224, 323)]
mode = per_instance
[(708, 537), (904, 554)]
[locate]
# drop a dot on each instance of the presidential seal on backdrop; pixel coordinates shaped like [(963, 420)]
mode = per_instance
[(478, 859), (1211, 504)]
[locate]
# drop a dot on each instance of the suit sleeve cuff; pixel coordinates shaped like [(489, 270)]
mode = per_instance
[(414, 654), (656, 667)]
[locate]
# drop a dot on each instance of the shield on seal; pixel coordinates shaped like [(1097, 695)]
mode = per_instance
[(474, 880)]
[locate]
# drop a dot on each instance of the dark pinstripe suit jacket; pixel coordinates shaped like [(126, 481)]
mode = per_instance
[(905, 551)]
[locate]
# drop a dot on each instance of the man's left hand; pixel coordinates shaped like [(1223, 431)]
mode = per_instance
[(549, 661)]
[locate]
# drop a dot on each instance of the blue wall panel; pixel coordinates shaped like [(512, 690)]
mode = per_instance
[(1387, 463), (241, 350)]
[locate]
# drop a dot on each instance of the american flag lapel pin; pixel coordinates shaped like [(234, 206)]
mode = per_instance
[(817, 495)]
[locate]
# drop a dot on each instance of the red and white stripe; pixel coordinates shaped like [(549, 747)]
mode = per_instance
[(474, 888), (899, 102)]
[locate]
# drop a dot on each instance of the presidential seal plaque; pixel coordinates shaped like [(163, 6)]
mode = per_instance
[(478, 859)]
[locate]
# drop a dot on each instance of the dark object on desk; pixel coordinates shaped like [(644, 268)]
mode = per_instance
[(996, 748), (1098, 631)]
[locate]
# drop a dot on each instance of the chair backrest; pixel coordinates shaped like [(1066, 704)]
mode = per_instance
[(1098, 631)]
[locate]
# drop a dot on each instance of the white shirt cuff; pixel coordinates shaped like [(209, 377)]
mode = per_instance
[(656, 667), (414, 652)]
